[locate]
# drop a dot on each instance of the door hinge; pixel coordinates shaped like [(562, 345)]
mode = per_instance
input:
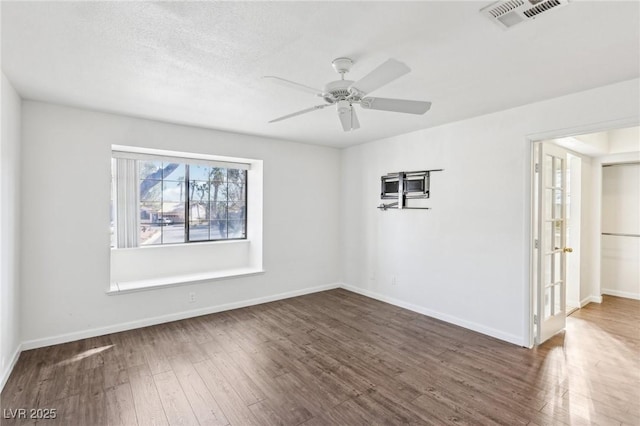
[(536, 244), (535, 319), (537, 167)]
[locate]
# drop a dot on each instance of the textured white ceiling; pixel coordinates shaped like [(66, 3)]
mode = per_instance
[(200, 63)]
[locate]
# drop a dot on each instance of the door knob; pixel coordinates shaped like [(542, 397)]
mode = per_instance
[(567, 250)]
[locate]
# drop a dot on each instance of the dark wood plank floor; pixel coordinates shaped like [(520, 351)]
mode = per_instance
[(336, 358)]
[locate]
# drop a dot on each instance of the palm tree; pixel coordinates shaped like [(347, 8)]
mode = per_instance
[(201, 190), (216, 177), (180, 184)]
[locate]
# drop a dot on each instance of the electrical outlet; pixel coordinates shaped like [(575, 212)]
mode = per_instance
[(393, 280), (192, 297)]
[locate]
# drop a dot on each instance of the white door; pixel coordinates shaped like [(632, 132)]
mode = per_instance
[(551, 241)]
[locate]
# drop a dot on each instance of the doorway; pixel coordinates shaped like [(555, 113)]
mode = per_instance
[(620, 243), (566, 222)]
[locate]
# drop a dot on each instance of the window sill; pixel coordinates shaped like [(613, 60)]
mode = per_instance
[(192, 244), (172, 281)]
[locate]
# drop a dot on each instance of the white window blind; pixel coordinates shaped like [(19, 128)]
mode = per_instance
[(127, 201)]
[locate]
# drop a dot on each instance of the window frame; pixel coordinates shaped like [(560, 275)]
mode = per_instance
[(187, 161), (187, 213)]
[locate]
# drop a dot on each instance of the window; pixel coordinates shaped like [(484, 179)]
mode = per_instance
[(167, 200)]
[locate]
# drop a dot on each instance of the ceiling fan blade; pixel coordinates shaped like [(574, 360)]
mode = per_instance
[(396, 105), (304, 111), (355, 124), (384, 74), (294, 85), (345, 119), (348, 118)]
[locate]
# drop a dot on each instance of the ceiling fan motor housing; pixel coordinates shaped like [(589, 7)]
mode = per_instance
[(338, 90)]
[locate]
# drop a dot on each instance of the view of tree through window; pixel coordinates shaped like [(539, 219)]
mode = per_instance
[(184, 202)]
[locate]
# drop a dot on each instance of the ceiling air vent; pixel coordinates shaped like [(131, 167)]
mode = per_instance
[(542, 7), (508, 13)]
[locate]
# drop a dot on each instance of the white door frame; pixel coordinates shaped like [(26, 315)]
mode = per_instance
[(529, 172)]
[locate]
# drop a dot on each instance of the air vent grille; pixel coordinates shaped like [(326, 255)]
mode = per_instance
[(542, 7), (506, 7), (509, 13)]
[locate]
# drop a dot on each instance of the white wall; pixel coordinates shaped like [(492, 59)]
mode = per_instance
[(9, 229), (624, 140), (589, 234), (65, 210), (467, 260), (156, 262), (598, 143), (621, 215)]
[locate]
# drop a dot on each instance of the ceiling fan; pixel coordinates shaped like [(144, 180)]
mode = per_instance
[(345, 93)]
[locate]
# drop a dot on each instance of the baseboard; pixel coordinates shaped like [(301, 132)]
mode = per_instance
[(618, 293), (590, 299), (9, 368), (574, 303), (100, 331), (511, 338)]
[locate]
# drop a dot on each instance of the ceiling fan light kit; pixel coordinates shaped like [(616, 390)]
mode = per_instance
[(345, 93)]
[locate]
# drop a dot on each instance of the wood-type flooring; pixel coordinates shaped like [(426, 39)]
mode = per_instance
[(334, 358)]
